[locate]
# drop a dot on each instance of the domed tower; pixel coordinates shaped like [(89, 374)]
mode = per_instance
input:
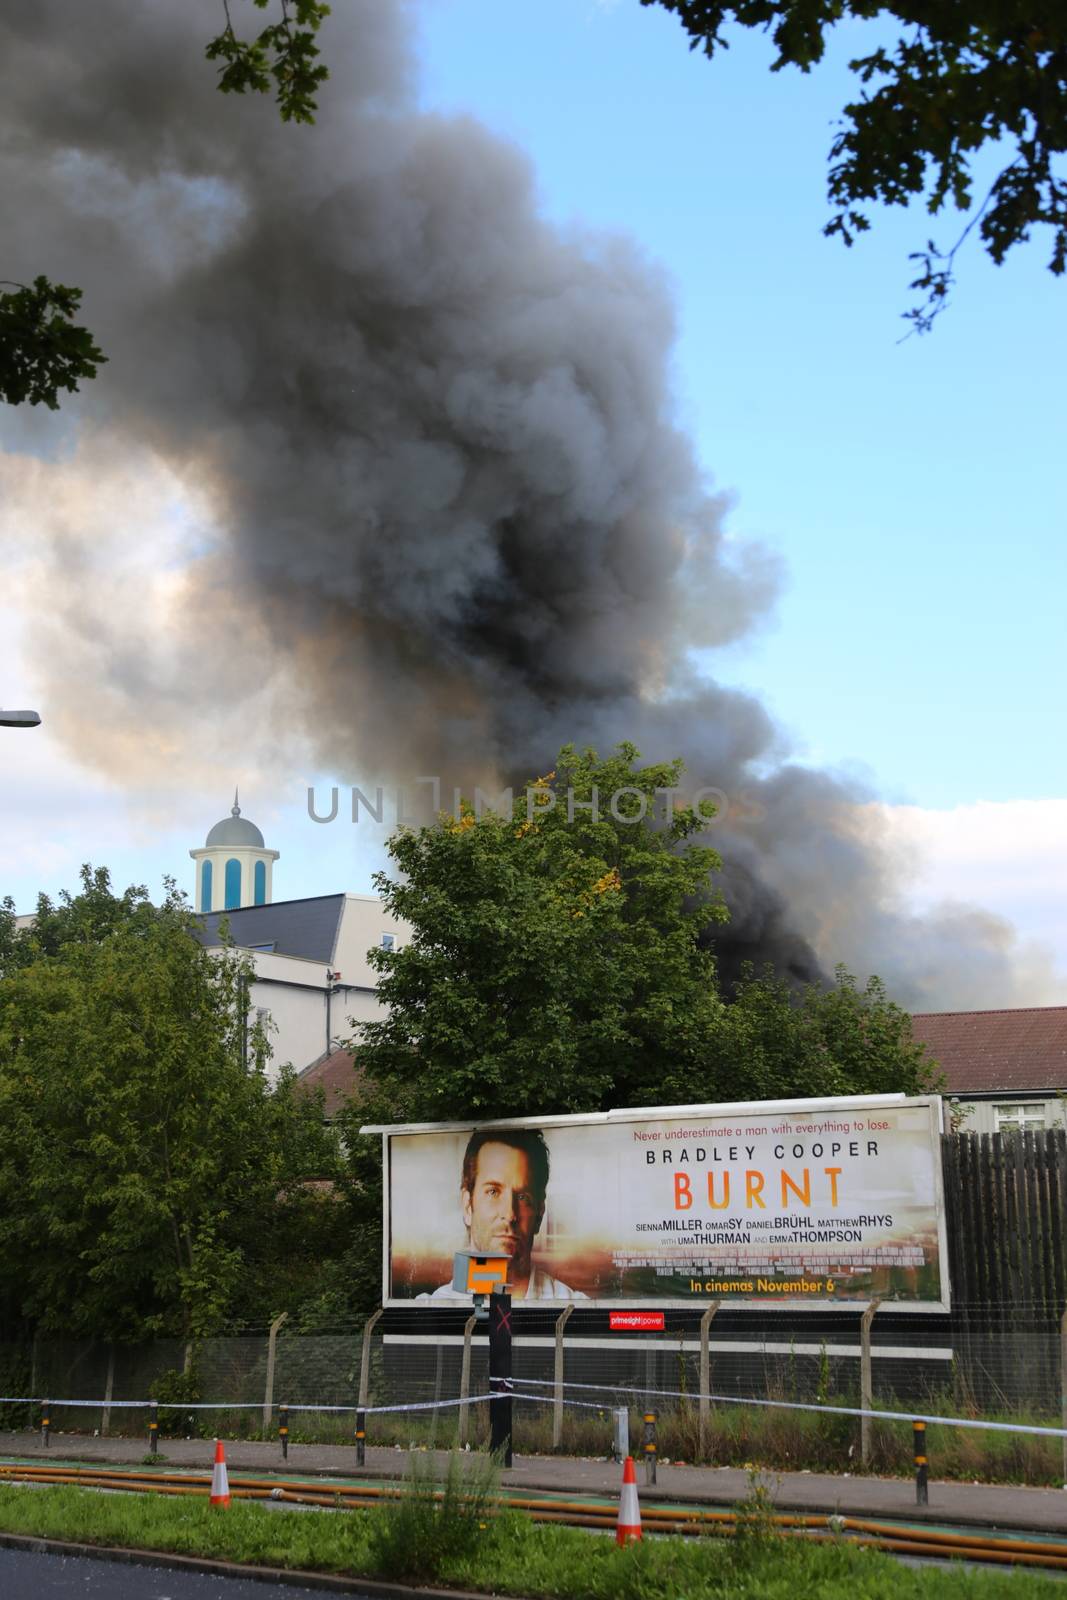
[(234, 867)]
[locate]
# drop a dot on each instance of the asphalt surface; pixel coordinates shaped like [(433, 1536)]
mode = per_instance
[(27, 1575), (986, 1506)]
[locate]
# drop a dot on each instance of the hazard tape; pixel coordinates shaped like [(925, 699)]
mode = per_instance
[(799, 1405)]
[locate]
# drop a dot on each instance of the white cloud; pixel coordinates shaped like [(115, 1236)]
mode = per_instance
[(1006, 857)]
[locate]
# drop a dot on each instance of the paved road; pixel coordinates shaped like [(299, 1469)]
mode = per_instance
[(26, 1575)]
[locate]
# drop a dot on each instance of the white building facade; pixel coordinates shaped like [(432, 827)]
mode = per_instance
[(313, 980)]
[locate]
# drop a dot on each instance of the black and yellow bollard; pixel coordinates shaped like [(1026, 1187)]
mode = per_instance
[(153, 1427), (46, 1423), (361, 1438), (649, 1446), (283, 1430), (922, 1491)]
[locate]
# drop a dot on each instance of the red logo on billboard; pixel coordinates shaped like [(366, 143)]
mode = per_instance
[(636, 1321)]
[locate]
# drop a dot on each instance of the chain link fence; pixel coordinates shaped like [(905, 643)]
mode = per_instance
[(722, 1386)]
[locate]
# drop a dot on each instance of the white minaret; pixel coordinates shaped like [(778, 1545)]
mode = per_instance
[(234, 867)]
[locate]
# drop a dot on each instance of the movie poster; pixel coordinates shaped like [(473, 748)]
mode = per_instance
[(748, 1205)]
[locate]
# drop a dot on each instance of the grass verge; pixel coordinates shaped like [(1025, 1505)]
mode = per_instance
[(512, 1557)]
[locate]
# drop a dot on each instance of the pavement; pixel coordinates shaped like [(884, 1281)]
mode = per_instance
[(988, 1506)]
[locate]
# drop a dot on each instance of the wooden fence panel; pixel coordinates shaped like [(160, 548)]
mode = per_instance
[(1005, 1199)]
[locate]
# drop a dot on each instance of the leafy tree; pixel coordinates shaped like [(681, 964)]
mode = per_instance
[(959, 78), (556, 965), (85, 918), (42, 348), (773, 1043), (555, 959), (284, 52), (151, 1179)]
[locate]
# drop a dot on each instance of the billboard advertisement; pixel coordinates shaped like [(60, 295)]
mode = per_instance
[(790, 1202)]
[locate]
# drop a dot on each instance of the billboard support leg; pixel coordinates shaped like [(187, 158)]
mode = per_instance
[(557, 1392), (500, 1375), (866, 1385), (465, 1381), (705, 1374)]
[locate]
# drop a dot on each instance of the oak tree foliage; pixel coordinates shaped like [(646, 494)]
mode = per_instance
[(42, 348), (556, 964), (285, 53), (959, 80)]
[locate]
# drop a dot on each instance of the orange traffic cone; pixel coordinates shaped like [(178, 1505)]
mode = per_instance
[(220, 1483), (629, 1525)]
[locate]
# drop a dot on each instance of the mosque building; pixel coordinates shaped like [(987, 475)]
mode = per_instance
[(233, 866), (313, 980)]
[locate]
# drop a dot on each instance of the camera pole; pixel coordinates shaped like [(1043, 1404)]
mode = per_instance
[(500, 1375)]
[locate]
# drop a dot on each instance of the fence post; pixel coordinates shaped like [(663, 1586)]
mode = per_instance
[(33, 1378), (268, 1392), (109, 1389), (705, 1373), (922, 1492), (866, 1386), (465, 1380), (557, 1375), (1063, 1386), (364, 1365)]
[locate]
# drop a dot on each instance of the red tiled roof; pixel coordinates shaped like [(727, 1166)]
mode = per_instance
[(336, 1075), (993, 1052)]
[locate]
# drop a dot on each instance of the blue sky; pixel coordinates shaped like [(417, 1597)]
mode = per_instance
[(913, 491)]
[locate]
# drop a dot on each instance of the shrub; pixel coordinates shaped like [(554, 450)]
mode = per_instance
[(429, 1525)]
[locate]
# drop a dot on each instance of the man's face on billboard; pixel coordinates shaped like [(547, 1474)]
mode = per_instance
[(504, 1211)]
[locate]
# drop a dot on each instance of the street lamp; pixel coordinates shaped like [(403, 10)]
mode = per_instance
[(19, 719)]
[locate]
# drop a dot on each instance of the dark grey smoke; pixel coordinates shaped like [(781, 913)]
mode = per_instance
[(437, 438)]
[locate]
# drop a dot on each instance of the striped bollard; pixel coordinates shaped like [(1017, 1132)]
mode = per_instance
[(922, 1491), (650, 1447), (153, 1427), (283, 1430), (361, 1438)]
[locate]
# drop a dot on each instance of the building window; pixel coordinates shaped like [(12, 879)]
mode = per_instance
[(388, 941), (205, 886), (1026, 1117), (233, 884), (259, 896)]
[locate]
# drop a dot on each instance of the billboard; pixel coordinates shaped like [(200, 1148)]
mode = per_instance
[(790, 1202)]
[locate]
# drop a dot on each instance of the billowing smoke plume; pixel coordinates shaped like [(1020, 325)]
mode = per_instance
[(448, 520)]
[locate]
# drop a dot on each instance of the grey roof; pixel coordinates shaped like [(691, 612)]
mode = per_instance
[(235, 829), (305, 928)]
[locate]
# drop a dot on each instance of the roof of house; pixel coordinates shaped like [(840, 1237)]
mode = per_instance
[(305, 928), (997, 1052), (335, 1074)]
